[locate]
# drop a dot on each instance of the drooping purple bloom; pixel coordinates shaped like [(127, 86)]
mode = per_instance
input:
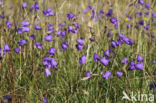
[(52, 51), (124, 60), (48, 12), (88, 74), (146, 27), (17, 50), (61, 33), (141, 22), (114, 45), (19, 31), (32, 37), (93, 14), (147, 6), (25, 23), (153, 86), (82, 60), (96, 57), (6, 48), (154, 73), (113, 20), (9, 24), (36, 6), (24, 5), (47, 72), (22, 42), (45, 100), (119, 74), (153, 62), (141, 2), (38, 45), (70, 16), (110, 33), (139, 59), (110, 13), (53, 63), (154, 15), (128, 26), (132, 65), (107, 75), (25, 29), (139, 66), (80, 41), (104, 61), (106, 53), (48, 38), (37, 27), (79, 47), (64, 45), (128, 41)]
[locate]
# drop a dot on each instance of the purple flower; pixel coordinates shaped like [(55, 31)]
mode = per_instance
[(110, 13), (132, 66), (96, 57), (48, 12), (113, 20), (114, 45), (61, 33), (17, 50), (139, 59), (146, 27), (124, 60), (141, 2), (1, 3), (64, 45), (110, 33), (38, 45), (37, 27), (106, 53), (154, 15), (128, 41), (153, 62), (25, 23), (9, 24), (82, 60), (53, 63), (79, 47), (70, 16), (107, 75), (104, 61), (22, 42), (141, 22), (80, 41), (45, 100), (6, 48), (19, 31), (128, 26), (119, 74), (47, 72), (24, 5), (153, 86), (52, 51), (93, 14), (139, 66), (36, 6), (147, 6), (0, 52), (88, 74), (154, 73), (25, 29), (32, 37), (48, 38)]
